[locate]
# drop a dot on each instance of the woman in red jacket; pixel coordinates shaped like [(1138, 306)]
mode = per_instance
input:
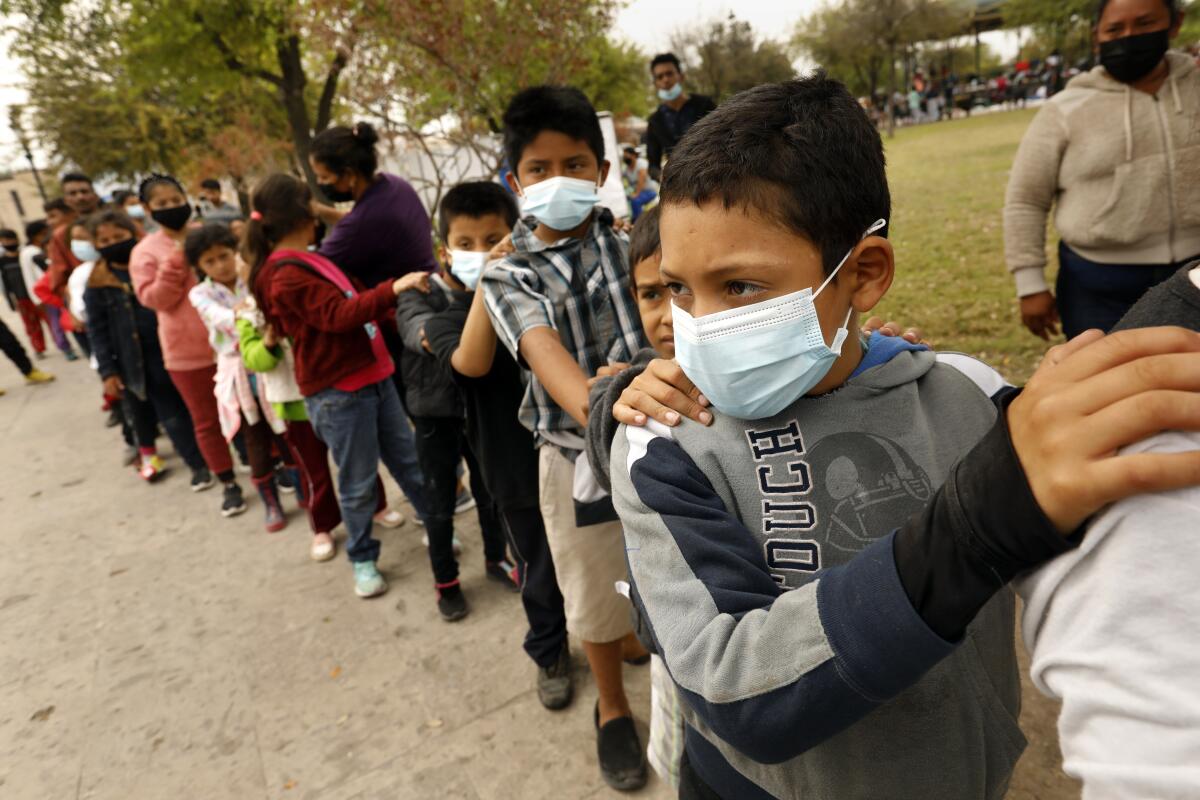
[(342, 364)]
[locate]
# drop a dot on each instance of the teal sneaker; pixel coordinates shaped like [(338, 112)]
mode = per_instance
[(367, 580)]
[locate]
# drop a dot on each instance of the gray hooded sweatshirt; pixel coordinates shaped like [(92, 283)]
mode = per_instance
[(760, 556), (1121, 168)]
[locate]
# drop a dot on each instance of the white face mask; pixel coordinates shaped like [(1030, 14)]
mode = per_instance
[(467, 266), (754, 361), (560, 203)]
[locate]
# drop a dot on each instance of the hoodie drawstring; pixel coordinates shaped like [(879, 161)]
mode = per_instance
[(1128, 124), (1175, 92)]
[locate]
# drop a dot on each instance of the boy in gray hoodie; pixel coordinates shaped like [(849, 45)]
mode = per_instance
[(817, 654)]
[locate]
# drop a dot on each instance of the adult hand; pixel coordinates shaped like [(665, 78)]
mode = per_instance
[(1094, 395), (1040, 314), (663, 392), (412, 280), (889, 328), (114, 386)]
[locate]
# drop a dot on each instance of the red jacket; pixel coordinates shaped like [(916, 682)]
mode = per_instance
[(62, 260), (326, 327)]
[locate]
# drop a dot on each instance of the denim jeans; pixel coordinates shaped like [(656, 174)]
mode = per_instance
[(1092, 295), (360, 429)]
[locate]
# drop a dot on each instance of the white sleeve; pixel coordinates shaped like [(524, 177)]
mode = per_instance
[(1113, 630), (989, 381)]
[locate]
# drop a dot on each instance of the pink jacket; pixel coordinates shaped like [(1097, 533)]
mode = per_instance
[(162, 281)]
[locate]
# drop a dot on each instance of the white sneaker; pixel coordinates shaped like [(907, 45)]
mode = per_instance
[(323, 547), (390, 518)]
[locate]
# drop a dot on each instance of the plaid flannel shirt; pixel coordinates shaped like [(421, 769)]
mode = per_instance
[(570, 286)]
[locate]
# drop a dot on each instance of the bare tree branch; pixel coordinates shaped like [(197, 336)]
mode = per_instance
[(231, 60), (329, 90)]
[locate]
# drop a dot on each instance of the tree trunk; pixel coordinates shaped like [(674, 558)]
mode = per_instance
[(891, 102), (291, 94)]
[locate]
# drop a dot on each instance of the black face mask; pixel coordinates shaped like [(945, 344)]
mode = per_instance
[(333, 194), (12, 248), (1131, 58), (118, 253), (173, 218)]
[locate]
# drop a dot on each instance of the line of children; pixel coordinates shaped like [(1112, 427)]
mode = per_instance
[(211, 250), (124, 336)]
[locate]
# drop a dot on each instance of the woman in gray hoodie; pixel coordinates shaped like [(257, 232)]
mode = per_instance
[(1117, 153)]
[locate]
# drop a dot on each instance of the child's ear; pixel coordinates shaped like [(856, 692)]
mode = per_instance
[(874, 269), (443, 255), (604, 165), (511, 179)]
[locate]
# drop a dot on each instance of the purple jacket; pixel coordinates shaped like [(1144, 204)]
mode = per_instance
[(385, 235)]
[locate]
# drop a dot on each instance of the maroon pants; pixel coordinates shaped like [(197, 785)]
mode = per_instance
[(196, 388), (312, 459), (33, 324)]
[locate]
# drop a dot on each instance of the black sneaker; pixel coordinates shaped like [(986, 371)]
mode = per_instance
[(622, 760), (233, 503), (554, 684), (452, 603), (504, 572), (114, 417), (201, 479)]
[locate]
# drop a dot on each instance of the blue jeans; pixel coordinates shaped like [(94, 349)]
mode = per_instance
[(1093, 295), (361, 429)]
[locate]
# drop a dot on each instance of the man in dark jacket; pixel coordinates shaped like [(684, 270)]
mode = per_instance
[(679, 111)]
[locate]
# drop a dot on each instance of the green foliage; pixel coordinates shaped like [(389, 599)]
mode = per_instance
[(616, 77), (724, 57)]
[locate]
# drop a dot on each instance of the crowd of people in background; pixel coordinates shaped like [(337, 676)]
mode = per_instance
[(680, 447)]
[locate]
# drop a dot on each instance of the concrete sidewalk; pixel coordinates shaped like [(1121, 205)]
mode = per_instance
[(151, 649)]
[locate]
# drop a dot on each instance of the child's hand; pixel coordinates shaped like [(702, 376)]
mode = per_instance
[(889, 328), (607, 371), (662, 392), (502, 248), (622, 225), (424, 341), (413, 280), (114, 386), (269, 337), (1094, 395)]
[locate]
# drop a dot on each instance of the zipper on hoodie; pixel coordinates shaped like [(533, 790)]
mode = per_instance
[(1169, 153)]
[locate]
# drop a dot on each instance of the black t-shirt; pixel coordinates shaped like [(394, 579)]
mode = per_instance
[(10, 275), (667, 126), (1175, 301), (503, 446)]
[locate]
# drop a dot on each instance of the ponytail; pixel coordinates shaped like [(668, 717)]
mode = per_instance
[(279, 204)]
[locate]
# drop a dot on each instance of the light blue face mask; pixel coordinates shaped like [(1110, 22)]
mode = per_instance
[(136, 211), (667, 95), (467, 266), (754, 361), (560, 203), (84, 250)]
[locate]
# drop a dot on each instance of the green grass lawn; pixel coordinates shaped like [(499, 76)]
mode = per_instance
[(948, 182)]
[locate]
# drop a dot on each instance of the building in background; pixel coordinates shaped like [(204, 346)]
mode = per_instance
[(20, 200)]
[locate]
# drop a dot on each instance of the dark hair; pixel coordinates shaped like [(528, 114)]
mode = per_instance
[(74, 177), (109, 216), (802, 153), (475, 199), (35, 229), (9, 233), (210, 183), (666, 58), (200, 240), (643, 239), (153, 181), (119, 196), (57, 204), (341, 148), (550, 108), (1172, 7), (280, 203)]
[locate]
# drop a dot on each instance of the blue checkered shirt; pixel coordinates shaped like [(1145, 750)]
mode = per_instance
[(578, 287)]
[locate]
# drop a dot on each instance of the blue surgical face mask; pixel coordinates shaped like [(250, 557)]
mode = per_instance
[(754, 361), (667, 95), (560, 203), (467, 266), (84, 250), (136, 211)]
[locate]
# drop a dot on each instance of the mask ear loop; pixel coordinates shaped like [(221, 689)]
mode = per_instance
[(876, 225)]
